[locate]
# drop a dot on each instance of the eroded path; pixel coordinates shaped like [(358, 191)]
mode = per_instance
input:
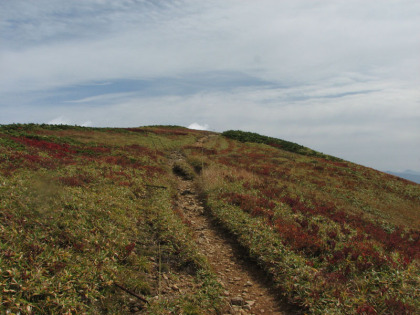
[(246, 287)]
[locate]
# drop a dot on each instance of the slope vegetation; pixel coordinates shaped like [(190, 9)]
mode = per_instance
[(90, 222), (86, 216), (336, 237)]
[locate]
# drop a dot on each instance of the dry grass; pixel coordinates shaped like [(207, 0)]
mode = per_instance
[(216, 175)]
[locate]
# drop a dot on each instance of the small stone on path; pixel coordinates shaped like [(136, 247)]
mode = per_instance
[(237, 301)]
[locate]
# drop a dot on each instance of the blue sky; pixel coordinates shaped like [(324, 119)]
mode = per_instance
[(341, 77)]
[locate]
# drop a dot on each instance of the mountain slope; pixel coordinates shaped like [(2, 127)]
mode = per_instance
[(85, 212), (323, 229)]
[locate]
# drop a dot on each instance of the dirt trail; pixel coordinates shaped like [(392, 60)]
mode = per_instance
[(246, 287)]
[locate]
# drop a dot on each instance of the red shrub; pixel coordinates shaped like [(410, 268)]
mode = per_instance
[(299, 239), (144, 151), (303, 223), (248, 202), (407, 244), (394, 306), (60, 150), (153, 170), (297, 205), (79, 180), (129, 248), (314, 229), (366, 309), (246, 185), (257, 211), (332, 234), (272, 192), (126, 184), (245, 202), (336, 276)]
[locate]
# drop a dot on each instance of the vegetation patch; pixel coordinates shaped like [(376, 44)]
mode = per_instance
[(245, 136), (184, 170), (326, 231), (87, 222), (84, 221)]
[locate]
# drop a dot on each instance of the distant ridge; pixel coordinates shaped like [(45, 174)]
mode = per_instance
[(409, 175)]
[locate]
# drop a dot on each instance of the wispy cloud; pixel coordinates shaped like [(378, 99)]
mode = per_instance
[(102, 99)]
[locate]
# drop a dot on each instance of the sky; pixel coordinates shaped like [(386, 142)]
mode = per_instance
[(341, 77)]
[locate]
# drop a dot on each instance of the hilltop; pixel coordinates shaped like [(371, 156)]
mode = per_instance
[(161, 219)]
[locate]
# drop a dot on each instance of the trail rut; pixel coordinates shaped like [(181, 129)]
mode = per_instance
[(246, 287)]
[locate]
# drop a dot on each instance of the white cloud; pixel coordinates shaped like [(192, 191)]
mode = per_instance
[(197, 126), (87, 124), (59, 121)]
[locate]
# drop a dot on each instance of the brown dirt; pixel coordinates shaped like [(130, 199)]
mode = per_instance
[(246, 287)]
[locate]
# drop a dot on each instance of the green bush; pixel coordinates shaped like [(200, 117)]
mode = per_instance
[(245, 136)]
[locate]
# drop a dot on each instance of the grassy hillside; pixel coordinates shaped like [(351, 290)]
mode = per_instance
[(85, 212), (335, 236)]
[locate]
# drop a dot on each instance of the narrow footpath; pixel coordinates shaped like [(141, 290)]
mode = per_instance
[(246, 287)]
